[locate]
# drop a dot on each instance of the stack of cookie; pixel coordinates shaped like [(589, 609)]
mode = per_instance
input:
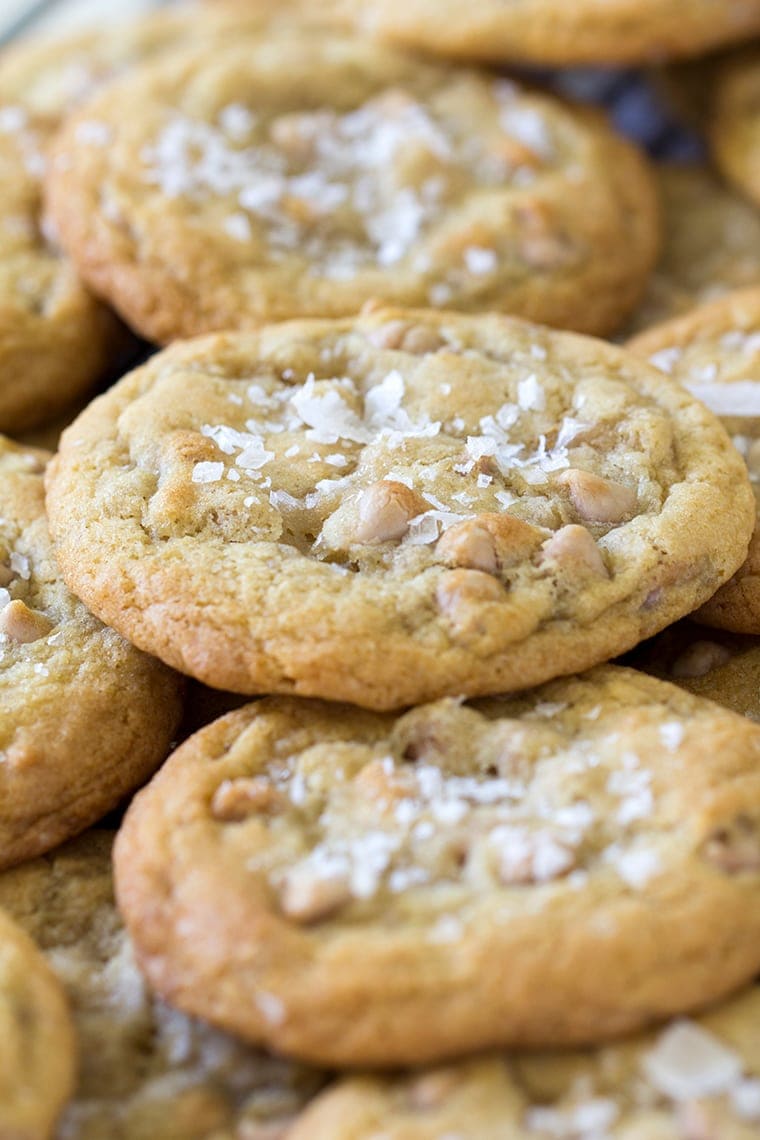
[(451, 875)]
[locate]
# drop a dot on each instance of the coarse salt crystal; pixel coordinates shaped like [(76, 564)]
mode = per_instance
[(480, 261), (238, 226), (688, 1062), (19, 564), (207, 472), (531, 395), (672, 734)]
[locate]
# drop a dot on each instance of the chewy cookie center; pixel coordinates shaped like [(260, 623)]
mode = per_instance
[(399, 178), (404, 447)]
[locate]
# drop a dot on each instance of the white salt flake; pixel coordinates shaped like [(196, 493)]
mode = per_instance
[(739, 398), (271, 1006), (745, 1097), (92, 132), (666, 359), (480, 261), (446, 929), (19, 564), (672, 734), (328, 415), (531, 395), (688, 1063), (238, 226), (589, 1120), (207, 472), (637, 867), (236, 120)]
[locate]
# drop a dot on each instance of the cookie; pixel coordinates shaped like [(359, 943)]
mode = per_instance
[(37, 1049), (84, 717), (715, 352), (355, 889), (722, 666), (301, 175), (395, 508), (695, 1078), (146, 1071), (56, 340), (51, 74), (711, 246), (734, 121), (558, 32)]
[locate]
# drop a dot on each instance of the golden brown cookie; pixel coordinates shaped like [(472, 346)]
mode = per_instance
[(724, 667), (693, 1079), (302, 175), (711, 245), (714, 351), (37, 1046), (146, 1071), (355, 888), (56, 340), (734, 120), (560, 32), (394, 508), (84, 717)]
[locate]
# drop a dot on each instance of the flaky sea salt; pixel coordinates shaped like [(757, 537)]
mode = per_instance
[(207, 472)]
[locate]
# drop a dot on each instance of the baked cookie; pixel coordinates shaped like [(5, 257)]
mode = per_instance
[(355, 888), (734, 121), (304, 174), (715, 352), (724, 667), (711, 245), (49, 75), (84, 717), (397, 507), (146, 1071), (693, 1079), (56, 340), (37, 1048), (561, 32)]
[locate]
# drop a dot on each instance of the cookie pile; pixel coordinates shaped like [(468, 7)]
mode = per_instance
[(341, 570)]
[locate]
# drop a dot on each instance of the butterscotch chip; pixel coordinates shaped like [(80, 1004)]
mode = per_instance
[(555, 868), (695, 1079), (84, 717), (301, 511), (556, 32), (573, 549), (145, 1072), (37, 1046), (304, 174), (23, 625), (598, 500), (714, 351)]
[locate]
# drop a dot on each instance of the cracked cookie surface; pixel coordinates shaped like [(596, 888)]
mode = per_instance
[(695, 1078), (715, 352), (302, 175), (147, 1072), (37, 1047), (553, 868), (395, 508), (84, 717)]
